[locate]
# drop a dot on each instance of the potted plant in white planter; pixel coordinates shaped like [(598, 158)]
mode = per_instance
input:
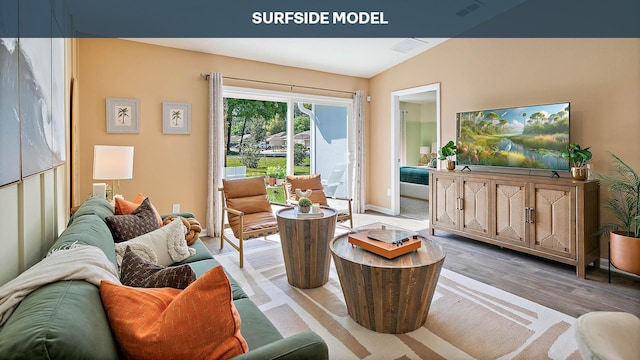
[(578, 159), (624, 205), (447, 152)]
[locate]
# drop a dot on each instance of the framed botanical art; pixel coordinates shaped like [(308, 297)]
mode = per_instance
[(123, 115), (176, 118)]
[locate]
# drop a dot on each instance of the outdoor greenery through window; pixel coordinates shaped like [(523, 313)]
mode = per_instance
[(257, 138), (274, 134)]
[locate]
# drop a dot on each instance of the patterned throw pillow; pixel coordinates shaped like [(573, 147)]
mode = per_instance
[(166, 323), (138, 272), (141, 221), (126, 207)]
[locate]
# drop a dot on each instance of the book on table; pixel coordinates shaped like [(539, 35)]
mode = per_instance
[(309, 215)]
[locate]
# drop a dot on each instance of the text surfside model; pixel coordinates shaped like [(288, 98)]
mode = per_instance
[(319, 17)]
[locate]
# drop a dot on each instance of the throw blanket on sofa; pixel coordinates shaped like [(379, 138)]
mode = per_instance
[(77, 262)]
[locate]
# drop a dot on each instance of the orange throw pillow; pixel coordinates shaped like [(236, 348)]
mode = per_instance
[(307, 182), (199, 322), (126, 207)]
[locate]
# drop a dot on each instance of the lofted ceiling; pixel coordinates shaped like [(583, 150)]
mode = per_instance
[(359, 57)]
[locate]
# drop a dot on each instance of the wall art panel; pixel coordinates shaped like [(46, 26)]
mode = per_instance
[(9, 120), (35, 104)]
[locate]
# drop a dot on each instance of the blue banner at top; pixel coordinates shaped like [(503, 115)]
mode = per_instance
[(326, 18)]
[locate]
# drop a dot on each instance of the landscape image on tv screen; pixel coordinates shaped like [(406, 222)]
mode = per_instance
[(530, 137)]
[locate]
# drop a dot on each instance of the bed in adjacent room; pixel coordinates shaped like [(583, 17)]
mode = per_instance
[(414, 182)]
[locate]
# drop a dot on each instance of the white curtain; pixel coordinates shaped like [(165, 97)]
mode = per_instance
[(216, 154), (357, 151)]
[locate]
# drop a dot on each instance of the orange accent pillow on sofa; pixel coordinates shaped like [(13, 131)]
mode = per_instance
[(199, 322), (307, 182), (126, 207)]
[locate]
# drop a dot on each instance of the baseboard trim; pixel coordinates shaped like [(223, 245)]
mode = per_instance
[(379, 209), (604, 264)]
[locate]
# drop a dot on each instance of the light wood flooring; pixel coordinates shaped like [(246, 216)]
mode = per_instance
[(546, 282)]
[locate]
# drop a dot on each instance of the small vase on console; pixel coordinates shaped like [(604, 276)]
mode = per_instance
[(447, 152), (451, 164)]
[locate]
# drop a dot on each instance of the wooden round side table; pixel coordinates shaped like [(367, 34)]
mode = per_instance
[(305, 246), (388, 295)]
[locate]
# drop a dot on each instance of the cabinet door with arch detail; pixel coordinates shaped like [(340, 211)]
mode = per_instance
[(445, 200), (474, 206), (553, 219), (511, 199)]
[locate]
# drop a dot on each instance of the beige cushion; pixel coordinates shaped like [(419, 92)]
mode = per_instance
[(608, 335), (163, 246), (306, 182)]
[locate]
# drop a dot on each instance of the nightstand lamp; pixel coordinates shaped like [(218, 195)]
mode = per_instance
[(112, 163), (424, 151)]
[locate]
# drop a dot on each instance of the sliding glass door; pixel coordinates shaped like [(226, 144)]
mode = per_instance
[(298, 134), (328, 146)]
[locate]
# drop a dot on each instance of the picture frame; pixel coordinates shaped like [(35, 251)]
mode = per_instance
[(123, 115), (176, 118)]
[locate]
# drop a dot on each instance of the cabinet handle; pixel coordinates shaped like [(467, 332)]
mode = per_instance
[(526, 215), (532, 216), (460, 203)]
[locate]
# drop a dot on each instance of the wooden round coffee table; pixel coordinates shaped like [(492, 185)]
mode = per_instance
[(388, 295), (305, 246)]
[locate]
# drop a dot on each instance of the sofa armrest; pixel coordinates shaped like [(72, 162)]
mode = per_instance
[(305, 345)]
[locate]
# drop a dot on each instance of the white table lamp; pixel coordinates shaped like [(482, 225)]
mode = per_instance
[(112, 163)]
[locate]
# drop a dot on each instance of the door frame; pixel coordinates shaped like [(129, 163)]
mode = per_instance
[(396, 137)]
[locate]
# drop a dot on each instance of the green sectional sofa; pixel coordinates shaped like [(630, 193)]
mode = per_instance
[(66, 319)]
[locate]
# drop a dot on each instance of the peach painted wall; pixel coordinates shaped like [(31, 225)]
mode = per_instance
[(600, 77), (167, 168)]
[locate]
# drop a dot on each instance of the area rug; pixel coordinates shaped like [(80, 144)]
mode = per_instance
[(414, 208), (467, 319)]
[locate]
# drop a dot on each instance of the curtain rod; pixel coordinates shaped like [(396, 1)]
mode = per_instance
[(206, 76)]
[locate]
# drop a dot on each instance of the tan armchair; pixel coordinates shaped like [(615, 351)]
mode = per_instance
[(247, 210), (314, 183)]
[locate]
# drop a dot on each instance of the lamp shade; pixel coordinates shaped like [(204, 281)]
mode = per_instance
[(112, 162), (425, 150)]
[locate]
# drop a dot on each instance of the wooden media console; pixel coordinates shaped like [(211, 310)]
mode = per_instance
[(553, 218)]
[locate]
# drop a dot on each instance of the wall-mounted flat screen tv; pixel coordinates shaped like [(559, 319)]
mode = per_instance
[(530, 137)]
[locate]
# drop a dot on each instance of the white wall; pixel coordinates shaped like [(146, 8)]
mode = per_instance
[(33, 215)]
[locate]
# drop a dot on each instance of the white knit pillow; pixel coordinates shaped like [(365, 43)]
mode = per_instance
[(164, 246)]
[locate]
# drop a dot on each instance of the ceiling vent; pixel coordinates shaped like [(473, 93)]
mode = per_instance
[(408, 45), (471, 7)]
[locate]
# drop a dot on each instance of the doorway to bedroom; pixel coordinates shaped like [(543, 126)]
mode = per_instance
[(416, 129)]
